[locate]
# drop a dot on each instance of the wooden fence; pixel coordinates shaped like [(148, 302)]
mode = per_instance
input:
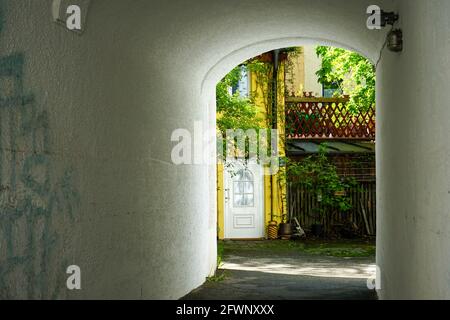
[(326, 118), (302, 204)]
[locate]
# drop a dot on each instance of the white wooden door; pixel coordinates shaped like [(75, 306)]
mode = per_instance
[(244, 214)]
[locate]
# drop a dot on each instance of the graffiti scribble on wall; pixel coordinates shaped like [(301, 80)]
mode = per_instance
[(33, 201)]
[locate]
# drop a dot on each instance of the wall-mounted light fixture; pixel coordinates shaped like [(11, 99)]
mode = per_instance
[(379, 19), (395, 40), (395, 36)]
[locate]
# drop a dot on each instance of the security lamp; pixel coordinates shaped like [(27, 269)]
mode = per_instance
[(395, 40), (394, 37)]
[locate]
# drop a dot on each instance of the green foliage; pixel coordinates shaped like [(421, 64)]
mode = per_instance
[(320, 175), (220, 250), (234, 112), (218, 277), (348, 250), (335, 248), (263, 74), (352, 73)]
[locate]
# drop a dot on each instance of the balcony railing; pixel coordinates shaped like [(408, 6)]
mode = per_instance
[(327, 118)]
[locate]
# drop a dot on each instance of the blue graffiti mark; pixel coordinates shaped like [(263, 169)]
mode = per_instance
[(2, 4), (42, 188), (31, 195)]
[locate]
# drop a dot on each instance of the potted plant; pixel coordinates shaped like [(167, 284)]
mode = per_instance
[(285, 228)]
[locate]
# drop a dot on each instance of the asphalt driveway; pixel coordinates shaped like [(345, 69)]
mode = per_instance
[(262, 271)]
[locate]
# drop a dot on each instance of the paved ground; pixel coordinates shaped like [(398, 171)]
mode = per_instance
[(287, 275)]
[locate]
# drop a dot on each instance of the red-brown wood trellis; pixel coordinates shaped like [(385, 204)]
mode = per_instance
[(327, 118)]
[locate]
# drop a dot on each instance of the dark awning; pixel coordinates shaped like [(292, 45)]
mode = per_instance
[(307, 147)]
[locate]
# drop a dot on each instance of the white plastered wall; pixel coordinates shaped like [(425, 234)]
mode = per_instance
[(141, 227), (413, 157)]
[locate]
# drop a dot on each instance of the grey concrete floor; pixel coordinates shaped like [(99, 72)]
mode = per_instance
[(288, 275)]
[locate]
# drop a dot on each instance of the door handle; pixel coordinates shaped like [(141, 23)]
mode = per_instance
[(227, 194)]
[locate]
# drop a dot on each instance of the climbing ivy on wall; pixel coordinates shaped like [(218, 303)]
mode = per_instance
[(233, 111)]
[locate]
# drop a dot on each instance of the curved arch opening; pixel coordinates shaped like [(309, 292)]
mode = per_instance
[(245, 217), (236, 57)]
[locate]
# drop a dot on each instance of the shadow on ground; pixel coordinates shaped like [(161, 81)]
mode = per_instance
[(261, 274)]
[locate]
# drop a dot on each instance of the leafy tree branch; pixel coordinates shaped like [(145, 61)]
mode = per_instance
[(352, 73)]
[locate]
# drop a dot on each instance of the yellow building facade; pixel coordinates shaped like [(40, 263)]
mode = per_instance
[(272, 201)]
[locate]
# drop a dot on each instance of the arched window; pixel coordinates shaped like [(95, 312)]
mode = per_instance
[(243, 189)]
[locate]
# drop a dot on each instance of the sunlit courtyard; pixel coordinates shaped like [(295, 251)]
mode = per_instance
[(291, 270)]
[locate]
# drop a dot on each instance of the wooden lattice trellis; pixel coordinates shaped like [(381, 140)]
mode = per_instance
[(325, 118)]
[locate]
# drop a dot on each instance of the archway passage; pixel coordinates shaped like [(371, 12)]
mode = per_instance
[(322, 192), (109, 98)]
